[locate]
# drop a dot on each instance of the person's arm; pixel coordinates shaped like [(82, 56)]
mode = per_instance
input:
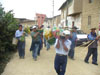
[(35, 35), (58, 44), (64, 46), (90, 37)]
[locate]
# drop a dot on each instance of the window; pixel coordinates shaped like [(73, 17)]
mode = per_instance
[(90, 1), (89, 20)]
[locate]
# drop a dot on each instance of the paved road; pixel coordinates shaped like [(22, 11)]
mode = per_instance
[(45, 63)]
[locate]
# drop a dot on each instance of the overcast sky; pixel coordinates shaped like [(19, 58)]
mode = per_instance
[(28, 8)]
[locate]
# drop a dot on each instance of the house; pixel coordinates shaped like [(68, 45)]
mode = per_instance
[(26, 22), (74, 15), (83, 14), (71, 13), (48, 22), (57, 20)]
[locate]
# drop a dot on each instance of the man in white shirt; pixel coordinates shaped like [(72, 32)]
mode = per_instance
[(21, 42), (62, 47)]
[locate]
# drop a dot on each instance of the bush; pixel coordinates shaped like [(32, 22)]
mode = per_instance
[(8, 26)]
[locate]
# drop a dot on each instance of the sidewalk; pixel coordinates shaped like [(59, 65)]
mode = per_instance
[(45, 63)]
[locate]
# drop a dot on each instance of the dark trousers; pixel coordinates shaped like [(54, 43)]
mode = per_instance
[(92, 51), (21, 48), (60, 64), (40, 46), (35, 51), (72, 52)]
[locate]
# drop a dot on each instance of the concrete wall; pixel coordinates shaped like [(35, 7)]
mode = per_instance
[(93, 10), (75, 6)]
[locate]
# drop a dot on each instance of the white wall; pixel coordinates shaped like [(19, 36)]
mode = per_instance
[(76, 19)]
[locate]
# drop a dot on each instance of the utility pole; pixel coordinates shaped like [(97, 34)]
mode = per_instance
[(53, 13)]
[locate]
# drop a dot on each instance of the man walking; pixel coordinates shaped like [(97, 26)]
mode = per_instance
[(62, 47), (73, 39), (35, 42), (20, 35), (92, 49)]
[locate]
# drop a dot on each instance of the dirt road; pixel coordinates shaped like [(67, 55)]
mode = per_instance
[(45, 63)]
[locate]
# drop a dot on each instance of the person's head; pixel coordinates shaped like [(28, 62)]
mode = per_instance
[(20, 27), (66, 34), (93, 30), (74, 29), (34, 28)]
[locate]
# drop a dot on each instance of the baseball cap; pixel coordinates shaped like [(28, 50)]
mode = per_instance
[(66, 32), (34, 27)]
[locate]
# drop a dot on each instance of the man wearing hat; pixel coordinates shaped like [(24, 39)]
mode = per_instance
[(62, 46), (73, 39), (20, 35), (92, 49), (35, 42)]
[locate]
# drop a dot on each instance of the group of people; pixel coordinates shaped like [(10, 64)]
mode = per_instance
[(37, 41), (64, 46)]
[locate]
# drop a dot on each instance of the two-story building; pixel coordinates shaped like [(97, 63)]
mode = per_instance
[(83, 14), (71, 13)]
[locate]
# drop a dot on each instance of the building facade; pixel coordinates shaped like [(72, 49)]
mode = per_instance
[(64, 11), (90, 14), (74, 13), (26, 22)]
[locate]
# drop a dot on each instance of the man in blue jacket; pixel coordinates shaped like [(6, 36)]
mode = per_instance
[(92, 49)]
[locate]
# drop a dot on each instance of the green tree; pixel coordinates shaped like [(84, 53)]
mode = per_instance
[(8, 26)]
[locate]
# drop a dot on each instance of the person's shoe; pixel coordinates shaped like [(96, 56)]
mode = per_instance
[(38, 54), (86, 62), (72, 58), (35, 59), (23, 57), (95, 63), (20, 57)]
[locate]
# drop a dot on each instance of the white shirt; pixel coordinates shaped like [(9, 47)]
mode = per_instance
[(18, 33), (61, 49)]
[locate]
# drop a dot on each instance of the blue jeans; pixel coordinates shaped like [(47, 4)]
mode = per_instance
[(21, 48), (32, 45), (60, 64), (47, 45), (35, 51), (72, 51), (44, 41), (92, 51), (40, 46)]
